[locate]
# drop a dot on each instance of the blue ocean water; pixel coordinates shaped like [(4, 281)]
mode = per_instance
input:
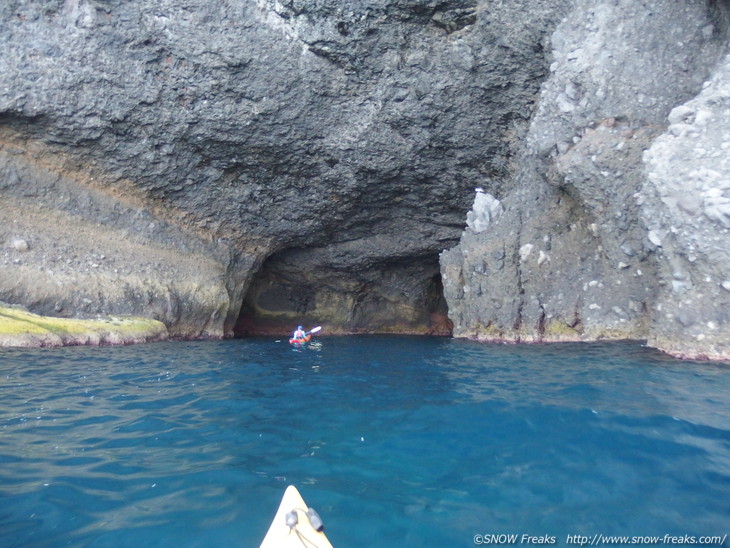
[(396, 441)]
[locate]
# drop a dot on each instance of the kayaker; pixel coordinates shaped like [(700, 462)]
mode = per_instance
[(299, 333)]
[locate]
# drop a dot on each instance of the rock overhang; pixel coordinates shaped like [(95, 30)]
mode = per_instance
[(251, 129)]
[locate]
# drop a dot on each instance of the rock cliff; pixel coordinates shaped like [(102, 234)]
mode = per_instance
[(236, 167), (617, 222), (246, 165)]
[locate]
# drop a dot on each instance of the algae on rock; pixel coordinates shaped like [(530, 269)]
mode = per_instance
[(21, 328)]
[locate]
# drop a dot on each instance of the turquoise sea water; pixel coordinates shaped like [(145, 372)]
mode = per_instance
[(396, 441)]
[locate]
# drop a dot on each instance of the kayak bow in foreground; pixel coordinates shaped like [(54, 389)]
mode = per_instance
[(295, 525)]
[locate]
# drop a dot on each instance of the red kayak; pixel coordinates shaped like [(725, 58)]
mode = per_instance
[(306, 337)]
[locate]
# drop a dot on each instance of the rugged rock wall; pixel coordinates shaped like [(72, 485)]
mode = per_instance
[(241, 166), (169, 158), (685, 206), (74, 250), (617, 222)]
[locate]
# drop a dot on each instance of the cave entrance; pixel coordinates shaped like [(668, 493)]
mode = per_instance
[(297, 287), (438, 308)]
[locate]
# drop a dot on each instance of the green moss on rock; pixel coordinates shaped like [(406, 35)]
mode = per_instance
[(559, 331), (22, 328)]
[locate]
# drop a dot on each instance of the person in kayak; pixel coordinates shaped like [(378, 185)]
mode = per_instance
[(298, 333)]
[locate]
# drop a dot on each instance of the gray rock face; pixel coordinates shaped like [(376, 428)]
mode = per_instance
[(243, 166), (205, 149), (605, 232), (72, 250), (685, 206)]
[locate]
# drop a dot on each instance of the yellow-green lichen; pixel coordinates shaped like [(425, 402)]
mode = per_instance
[(22, 328), (489, 332), (559, 331)]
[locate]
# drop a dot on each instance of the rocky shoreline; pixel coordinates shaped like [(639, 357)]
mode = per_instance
[(231, 168), (20, 328), (619, 224)]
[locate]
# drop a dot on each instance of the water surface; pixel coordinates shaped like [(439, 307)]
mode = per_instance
[(396, 441)]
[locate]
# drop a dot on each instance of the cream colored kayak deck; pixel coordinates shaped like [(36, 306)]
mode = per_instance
[(281, 535)]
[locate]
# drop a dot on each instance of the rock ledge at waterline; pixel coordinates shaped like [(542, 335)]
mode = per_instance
[(20, 328), (233, 168)]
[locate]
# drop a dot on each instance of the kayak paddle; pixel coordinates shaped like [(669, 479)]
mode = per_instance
[(314, 330)]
